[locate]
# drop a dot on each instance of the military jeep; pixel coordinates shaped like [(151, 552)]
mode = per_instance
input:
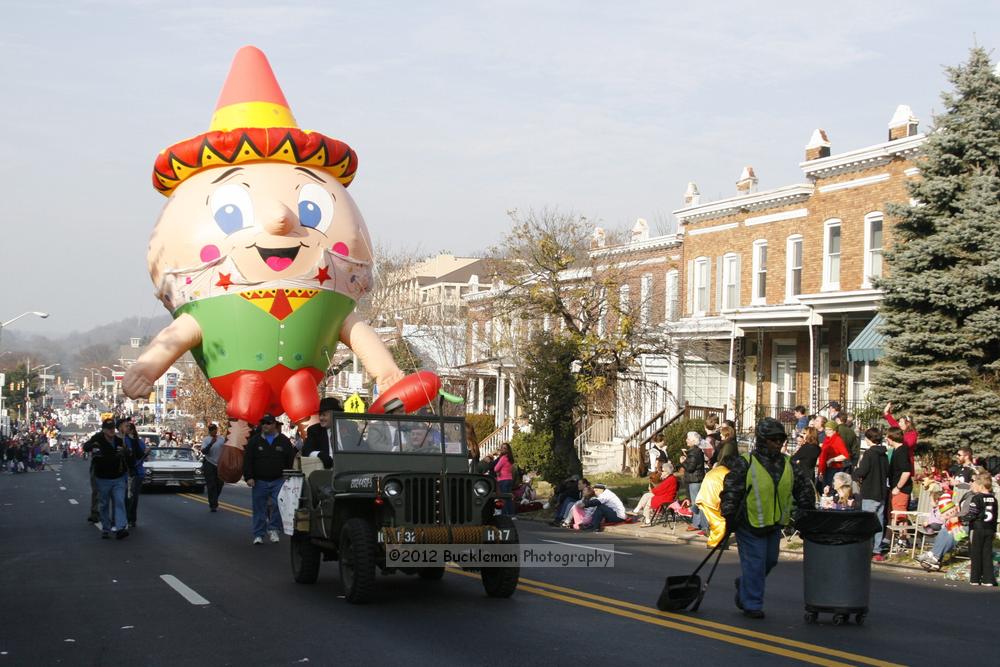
[(396, 480)]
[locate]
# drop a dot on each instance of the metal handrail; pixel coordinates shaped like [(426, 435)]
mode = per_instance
[(491, 443)]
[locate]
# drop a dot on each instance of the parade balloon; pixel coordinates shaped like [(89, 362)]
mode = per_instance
[(261, 255)]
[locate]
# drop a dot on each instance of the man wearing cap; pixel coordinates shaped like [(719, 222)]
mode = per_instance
[(761, 495), (267, 456), (111, 460), (211, 448)]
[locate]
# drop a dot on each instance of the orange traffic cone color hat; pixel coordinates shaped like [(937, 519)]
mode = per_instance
[(252, 123)]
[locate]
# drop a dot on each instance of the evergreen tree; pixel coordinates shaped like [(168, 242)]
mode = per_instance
[(942, 293)]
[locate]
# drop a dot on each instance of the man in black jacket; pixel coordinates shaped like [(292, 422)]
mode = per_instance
[(110, 460), (873, 475), (693, 463), (318, 435), (267, 455), (762, 494)]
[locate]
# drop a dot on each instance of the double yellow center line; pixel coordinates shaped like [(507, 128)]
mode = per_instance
[(229, 507), (730, 634), (760, 641)]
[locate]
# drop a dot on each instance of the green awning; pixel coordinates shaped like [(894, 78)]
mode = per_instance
[(868, 345)]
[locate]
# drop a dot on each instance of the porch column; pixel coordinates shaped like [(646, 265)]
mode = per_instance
[(499, 410), (511, 399), (480, 395), (814, 337), (844, 342)]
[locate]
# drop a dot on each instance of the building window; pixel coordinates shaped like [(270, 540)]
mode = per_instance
[(831, 255), (702, 278), (645, 294), (862, 373), (873, 248), (705, 383), (623, 303), (673, 305), (759, 272), (793, 279), (730, 281)]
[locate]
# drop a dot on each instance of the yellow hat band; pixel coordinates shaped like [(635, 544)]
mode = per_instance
[(252, 114)]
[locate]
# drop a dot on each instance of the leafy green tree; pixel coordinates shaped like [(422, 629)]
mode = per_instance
[(552, 395), (942, 293)]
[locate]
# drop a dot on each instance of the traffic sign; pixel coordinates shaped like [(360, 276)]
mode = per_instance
[(354, 381), (46, 376), (354, 404)]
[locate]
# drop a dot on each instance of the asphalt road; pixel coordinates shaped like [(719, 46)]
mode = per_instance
[(71, 598)]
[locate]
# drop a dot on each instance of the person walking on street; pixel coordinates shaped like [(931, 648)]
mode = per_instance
[(693, 463), (211, 448), (268, 454), (136, 472), (762, 494), (111, 461), (873, 475)]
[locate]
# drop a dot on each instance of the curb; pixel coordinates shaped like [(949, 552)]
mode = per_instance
[(663, 535)]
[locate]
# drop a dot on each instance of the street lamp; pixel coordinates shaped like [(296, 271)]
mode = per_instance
[(15, 319)]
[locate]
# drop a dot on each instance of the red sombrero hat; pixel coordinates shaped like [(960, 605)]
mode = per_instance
[(252, 123)]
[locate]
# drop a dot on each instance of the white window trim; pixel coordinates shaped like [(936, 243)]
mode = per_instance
[(672, 294), (698, 263), (730, 274), (757, 299), (789, 297), (866, 282), (829, 285), (645, 299)]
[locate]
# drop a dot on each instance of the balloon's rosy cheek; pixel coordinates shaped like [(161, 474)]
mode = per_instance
[(341, 249), (210, 253)]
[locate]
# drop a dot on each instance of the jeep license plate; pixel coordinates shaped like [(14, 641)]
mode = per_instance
[(173, 483)]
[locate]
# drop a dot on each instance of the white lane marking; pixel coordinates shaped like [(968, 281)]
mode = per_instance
[(584, 546), (62, 488), (128, 627), (73, 501), (186, 591)]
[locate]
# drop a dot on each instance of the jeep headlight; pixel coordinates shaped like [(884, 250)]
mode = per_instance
[(481, 488), (393, 488)]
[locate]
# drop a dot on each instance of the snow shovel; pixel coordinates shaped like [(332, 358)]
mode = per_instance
[(686, 590)]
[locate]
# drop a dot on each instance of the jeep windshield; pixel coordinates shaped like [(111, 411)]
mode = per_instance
[(404, 436)]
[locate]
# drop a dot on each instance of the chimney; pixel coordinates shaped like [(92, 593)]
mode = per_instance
[(818, 146), (748, 182), (691, 196), (640, 232), (903, 123)]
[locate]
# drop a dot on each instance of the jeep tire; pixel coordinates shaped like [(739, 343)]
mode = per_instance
[(357, 560), (501, 582), (305, 559)]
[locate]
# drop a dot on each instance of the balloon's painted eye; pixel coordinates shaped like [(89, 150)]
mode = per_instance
[(231, 207), (315, 207)]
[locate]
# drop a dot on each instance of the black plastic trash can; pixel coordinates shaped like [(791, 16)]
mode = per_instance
[(837, 567)]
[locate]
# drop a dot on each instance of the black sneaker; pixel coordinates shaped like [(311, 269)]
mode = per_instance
[(92, 519), (753, 613), (121, 534), (739, 603)]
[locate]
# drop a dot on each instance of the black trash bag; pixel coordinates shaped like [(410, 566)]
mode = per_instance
[(837, 526)]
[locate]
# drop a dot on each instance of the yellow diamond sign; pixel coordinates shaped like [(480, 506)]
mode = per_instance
[(354, 404)]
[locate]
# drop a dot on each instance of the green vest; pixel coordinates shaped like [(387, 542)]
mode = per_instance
[(768, 505)]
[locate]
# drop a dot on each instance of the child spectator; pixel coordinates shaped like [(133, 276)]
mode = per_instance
[(982, 519)]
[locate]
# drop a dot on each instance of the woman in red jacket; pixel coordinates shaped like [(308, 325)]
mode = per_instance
[(910, 434), (664, 493), (834, 456)]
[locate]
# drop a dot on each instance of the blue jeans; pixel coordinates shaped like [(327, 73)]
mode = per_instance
[(697, 518), (602, 512), (563, 512), (758, 556), (262, 490), (506, 486), (112, 491), (943, 543), (879, 509)]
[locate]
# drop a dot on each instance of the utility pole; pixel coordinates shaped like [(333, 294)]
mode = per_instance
[(27, 391)]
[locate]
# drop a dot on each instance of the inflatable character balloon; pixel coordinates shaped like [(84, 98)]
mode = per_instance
[(261, 255)]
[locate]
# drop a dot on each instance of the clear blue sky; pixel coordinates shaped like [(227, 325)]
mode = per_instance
[(459, 111)]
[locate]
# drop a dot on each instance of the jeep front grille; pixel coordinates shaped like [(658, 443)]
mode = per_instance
[(422, 502)]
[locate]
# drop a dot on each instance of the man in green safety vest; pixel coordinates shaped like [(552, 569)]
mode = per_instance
[(761, 495)]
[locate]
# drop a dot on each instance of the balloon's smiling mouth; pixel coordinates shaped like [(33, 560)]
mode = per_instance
[(279, 259)]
